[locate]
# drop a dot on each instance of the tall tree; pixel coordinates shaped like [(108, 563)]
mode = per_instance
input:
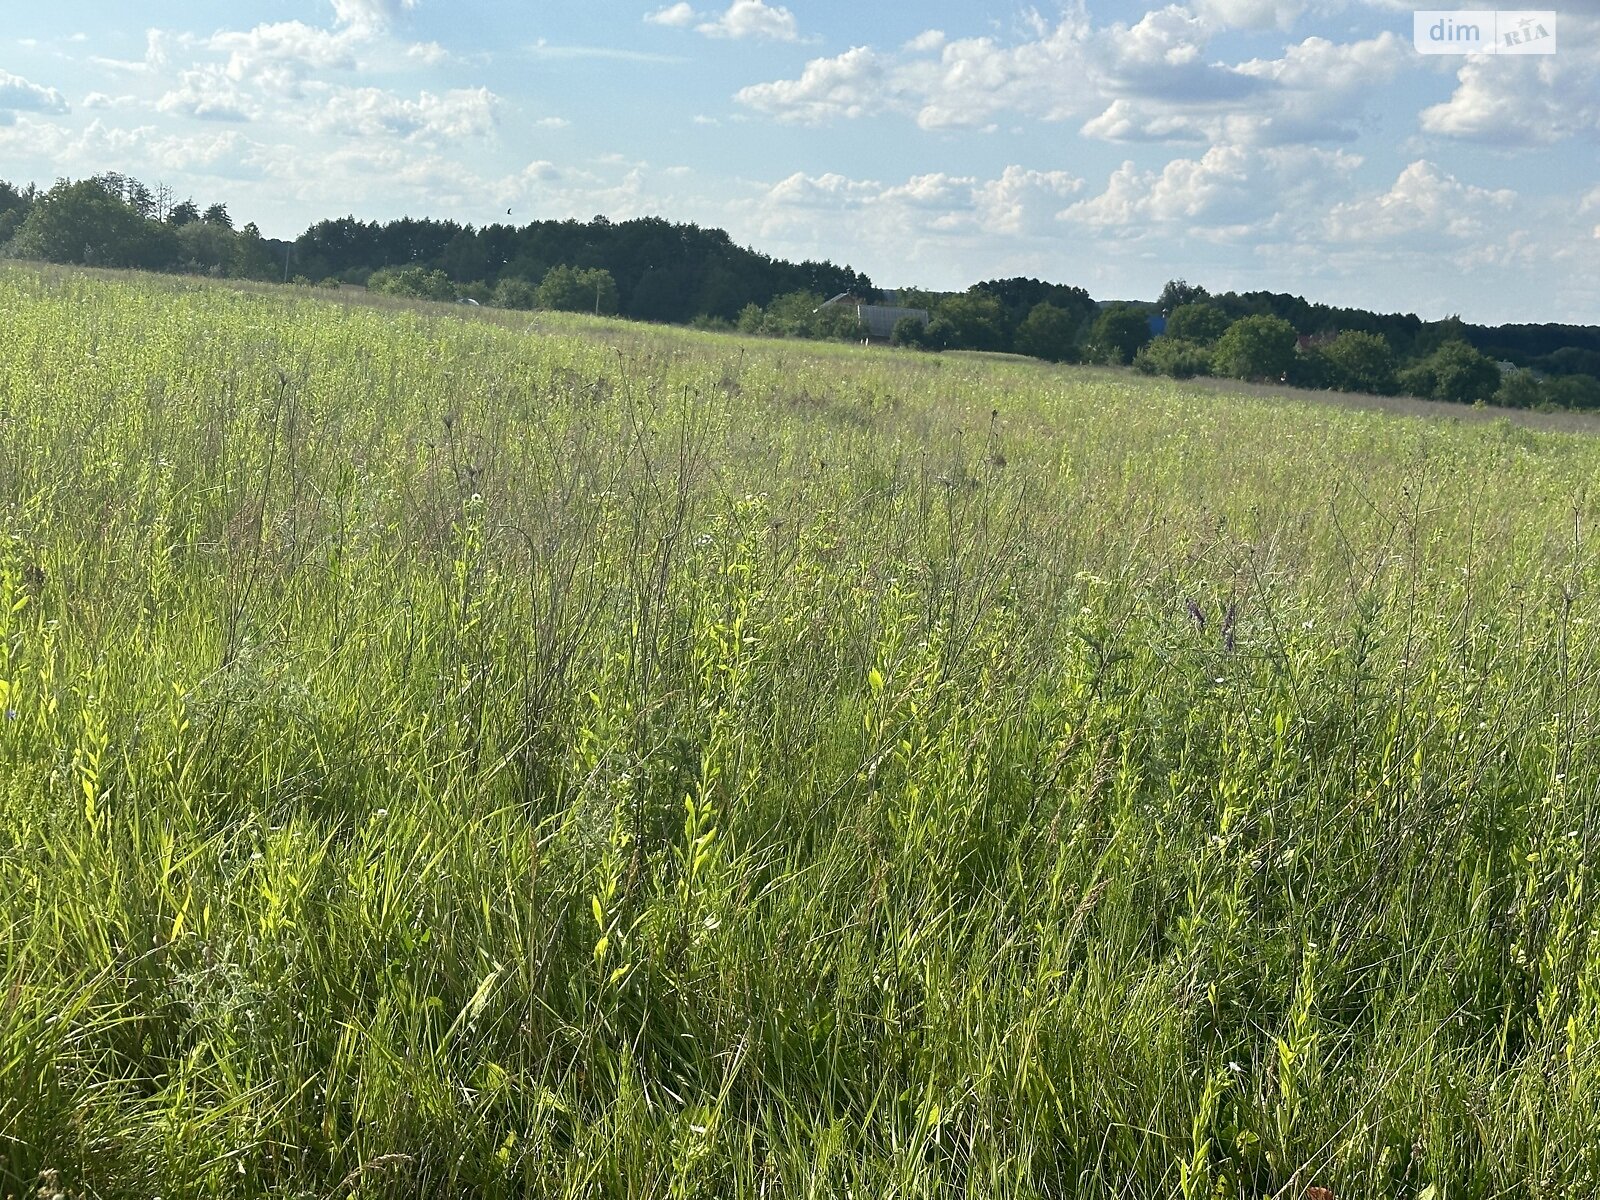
[(1257, 347)]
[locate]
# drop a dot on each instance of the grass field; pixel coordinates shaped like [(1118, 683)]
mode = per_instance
[(464, 755)]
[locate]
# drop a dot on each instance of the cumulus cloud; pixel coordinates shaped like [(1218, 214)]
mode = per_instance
[(1021, 200), (831, 190), (19, 95), (1425, 205), (1018, 201), (279, 55), (1316, 91), (1225, 193), (741, 19), (157, 55), (372, 112), (1522, 100), (676, 16), (209, 94), (1250, 14), (753, 19), (1153, 80), (370, 15), (847, 85)]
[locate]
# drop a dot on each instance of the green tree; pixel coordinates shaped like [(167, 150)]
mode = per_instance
[(1177, 357), (1463, 375), (83, 223), (217, 214), (1197, 322), (206, 248), (1578, 392), (14, 206), (183, 213), (1454, 372), (975, 321), (1178, 293), (750, 318), (1048, 332), (1258, 347), (1519, 389), (252, 257), (515, 292), (909, 331), (1311, 368), (568, 289), (1362, 362), (1119, 332)]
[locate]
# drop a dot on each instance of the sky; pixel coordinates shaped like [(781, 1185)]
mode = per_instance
[(1302, 146)]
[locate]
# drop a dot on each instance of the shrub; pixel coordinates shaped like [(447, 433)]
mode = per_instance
[(1178, 357)]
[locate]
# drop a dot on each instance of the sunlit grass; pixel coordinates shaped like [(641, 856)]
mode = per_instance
[(520, 755)]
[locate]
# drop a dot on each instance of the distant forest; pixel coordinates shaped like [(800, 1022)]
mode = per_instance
[(651, 269)]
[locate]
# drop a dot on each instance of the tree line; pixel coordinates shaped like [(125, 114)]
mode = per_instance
[(654, 270)]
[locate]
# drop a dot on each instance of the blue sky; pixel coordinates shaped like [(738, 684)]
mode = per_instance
[(1291, 145)]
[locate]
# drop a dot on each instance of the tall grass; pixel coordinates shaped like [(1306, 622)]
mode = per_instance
[(442, 756)]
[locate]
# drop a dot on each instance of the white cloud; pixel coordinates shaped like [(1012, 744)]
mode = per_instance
[(676, 16), (1250, 14), (157, 55), (551, 123), (99, 100), (1153, 80), (975, 80), (278, 56), (429, 54), (1022, 201), (1525, 100), (741, 19), (1228, 192), (1317, 91), (1126, 121), (372, 112), (547, 50), (1424, 206), (1320, 66), (753, 19), (1060, 72), (823, 191), (208, 94), (370, 15), (967, 85), (18, 95), (1019, 201), (847, 85)]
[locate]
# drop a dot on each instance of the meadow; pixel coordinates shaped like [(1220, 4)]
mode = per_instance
[(473, 754)]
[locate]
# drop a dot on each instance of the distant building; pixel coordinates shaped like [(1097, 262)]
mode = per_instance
[(1306, 341), (878, 320)]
